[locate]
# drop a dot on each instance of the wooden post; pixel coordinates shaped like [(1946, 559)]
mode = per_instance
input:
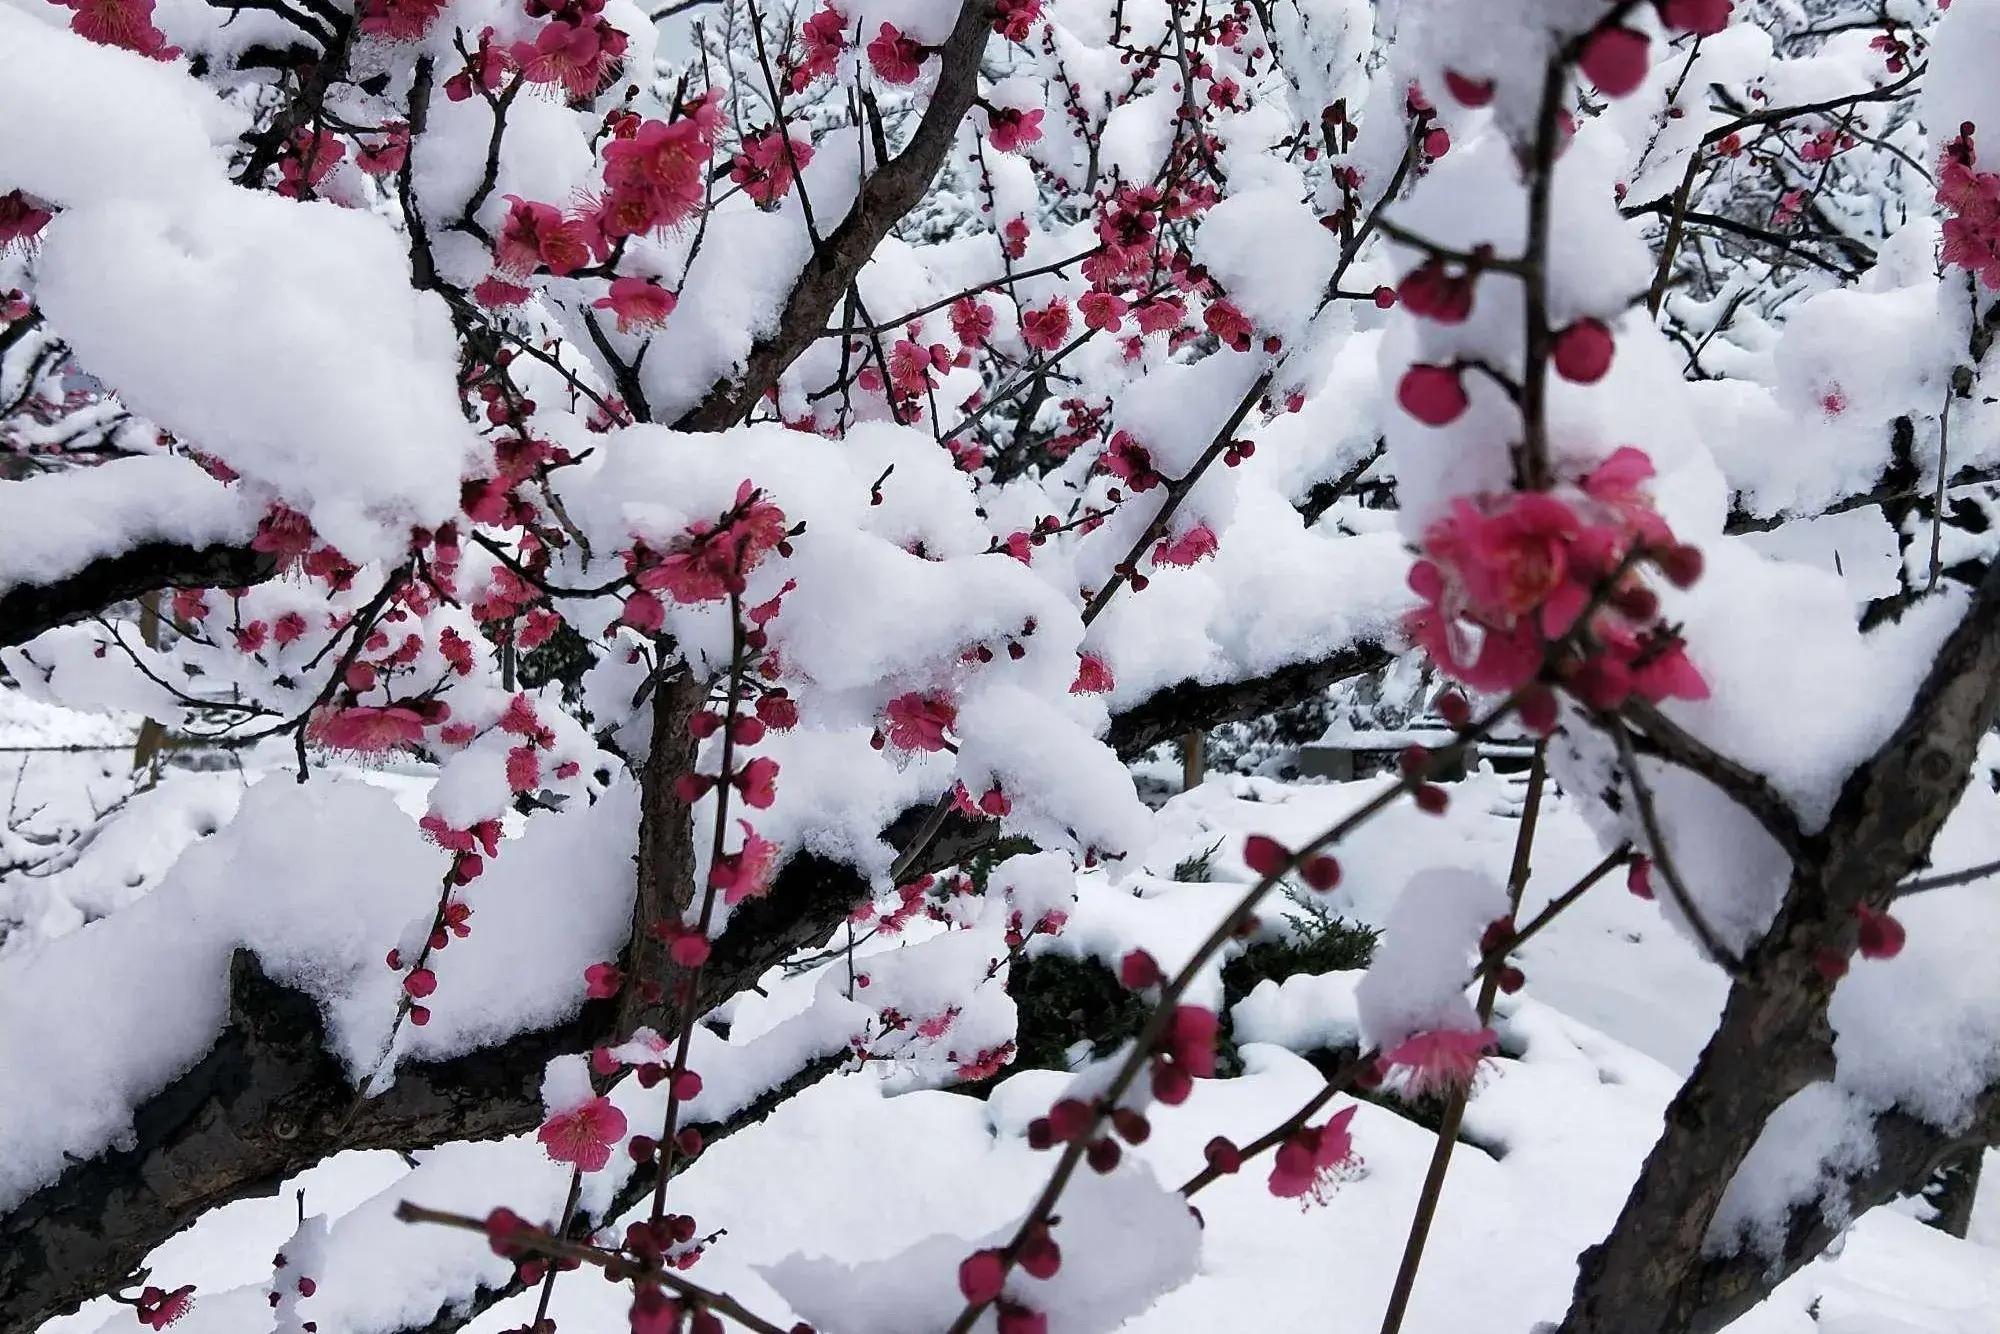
[(1192, 765)]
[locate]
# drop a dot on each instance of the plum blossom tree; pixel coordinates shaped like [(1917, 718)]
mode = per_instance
[(691, 516)]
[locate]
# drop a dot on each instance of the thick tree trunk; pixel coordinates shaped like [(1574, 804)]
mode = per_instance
[(1648, 1275)]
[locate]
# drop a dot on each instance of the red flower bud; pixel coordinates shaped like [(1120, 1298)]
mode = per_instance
[(1322, 873), (1682, 565), (1138, 970), (1616, 60), (980, 1276), (1583, 351), (1131, 1124), (1432, 394), (1639, 877), (1468, 91), (1882, 936), (1264, 855), (1041, 1257)]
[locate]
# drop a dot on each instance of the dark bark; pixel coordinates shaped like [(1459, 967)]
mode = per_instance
[(1896, 487), (664, 883), (891, 191), (266, 1102), (26, 610), (1648, 1275), (1954, 1188), (1168, 714), (1323, 495), (1718, 1291)]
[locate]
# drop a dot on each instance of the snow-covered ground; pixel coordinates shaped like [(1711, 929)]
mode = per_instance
[(1616, 1007)]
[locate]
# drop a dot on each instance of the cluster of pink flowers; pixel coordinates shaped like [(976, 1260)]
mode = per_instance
[(1125, 272), (1504, 578), (708, 562), (1826, 145), (579, 49), (1971, 200), (485, 70), (496, 500), (1046, 327), (524, 764), (469, 847), (399, 20), (655, 174), (1010, 129), (288, 536), (454, 921), (913, 898), (1019, 930), (993, 802), (822, 39), (1014, 238), (1015, 19), (913, 368), (657, 170), (125, 23), (767, 164), (919, 722), (1895, 51), (896, 57), (21, 218), (311, 158)]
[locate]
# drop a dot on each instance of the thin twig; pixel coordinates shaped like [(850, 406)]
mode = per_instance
[(1663, 856), (538, 1240), (1454, 1112), (1948, 879), (1141, 1050), (1667, 740)]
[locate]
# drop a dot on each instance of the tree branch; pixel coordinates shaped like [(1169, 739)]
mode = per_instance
[(893, 190), (1907, 1152), (268, 1101), (26, 610), (1648, 1276)]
